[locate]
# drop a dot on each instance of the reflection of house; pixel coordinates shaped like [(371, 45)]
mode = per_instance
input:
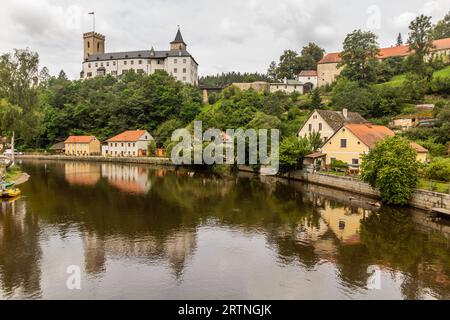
[(344, 222), (82, 173), (328, 70), (82, 146), (327, 122), (354, 140), (132, 179), (132, 143)]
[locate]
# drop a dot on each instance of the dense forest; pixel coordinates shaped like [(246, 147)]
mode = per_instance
[(225, 79)]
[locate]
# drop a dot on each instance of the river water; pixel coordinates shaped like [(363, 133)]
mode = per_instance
[(115, 231)]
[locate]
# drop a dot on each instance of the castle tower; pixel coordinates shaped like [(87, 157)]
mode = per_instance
[(94, 43), (178, 43)]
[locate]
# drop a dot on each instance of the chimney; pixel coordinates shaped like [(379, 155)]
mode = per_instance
[(345, 113)]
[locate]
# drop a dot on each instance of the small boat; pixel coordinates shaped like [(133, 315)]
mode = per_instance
[(10, 193)]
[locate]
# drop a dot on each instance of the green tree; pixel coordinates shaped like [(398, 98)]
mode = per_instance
[(316, 100), (315, 140), (292, 150), (391, 167), (359, 57), (289, 65), (399, 39), (350, 95), (442, 28), (420, 41), (272, 71), (313, 51)]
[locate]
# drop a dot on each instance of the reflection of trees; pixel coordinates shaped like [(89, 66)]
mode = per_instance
[(19, 251), (392, 238)]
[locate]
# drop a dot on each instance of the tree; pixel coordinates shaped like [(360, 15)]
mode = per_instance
[(289, 65), (292, 150), (350, 95), (272, 71), (313, 51), (316, 100), (399, 39), (391, 167), (420, 41), (359, 57), (315, 140), (442, 28)]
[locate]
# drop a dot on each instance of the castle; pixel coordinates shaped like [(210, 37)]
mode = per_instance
[(176, 61)]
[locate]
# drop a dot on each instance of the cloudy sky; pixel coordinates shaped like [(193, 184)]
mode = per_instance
[(222, 35)]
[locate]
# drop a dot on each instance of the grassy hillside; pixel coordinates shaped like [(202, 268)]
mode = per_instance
[(398, 81)]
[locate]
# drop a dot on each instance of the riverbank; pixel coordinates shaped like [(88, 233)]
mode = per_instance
[(152, 161)]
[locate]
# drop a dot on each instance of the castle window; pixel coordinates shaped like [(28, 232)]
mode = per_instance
[(175, 60), (125, 63), (101, 64), (132, 62), (89, 74), (89, 44), (184, 60), (175, 70), (140, 61), (89, 65), (114, 63), (98, 46), (96, 65), (184, 70), (107, 64)]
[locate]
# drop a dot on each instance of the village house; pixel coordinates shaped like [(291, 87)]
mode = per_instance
[(407, 122), (353, 140), (328, 69), (287, 86), (308, 78), (327, 122), (132, 143), (82, 146)]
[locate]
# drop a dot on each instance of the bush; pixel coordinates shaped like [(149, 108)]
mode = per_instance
[(338, 164), (439, 169), (435, 149), (292, 150), (392, 168)]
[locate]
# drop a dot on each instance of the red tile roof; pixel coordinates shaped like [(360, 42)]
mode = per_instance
[(370, 134), (398, 51), (308, 73), (80, 139), (128, 136)]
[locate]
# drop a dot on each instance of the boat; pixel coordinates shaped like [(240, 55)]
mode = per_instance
[(10, 193)]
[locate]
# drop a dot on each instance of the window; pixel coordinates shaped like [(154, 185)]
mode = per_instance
[(129, 144), (101, 64), (310, 127), (184, 60), (107, 64), (89, 44), (122, 144), (116, 144), (114, 63), (355, 162), (96, 65), (134, 144), (125, 63), (320, 126), (175, 70), (89, 65), (114, 73), (175, 60), (98, 45), (343, 143), (140, 62), (132, 62), (184, 70), (89, 74)]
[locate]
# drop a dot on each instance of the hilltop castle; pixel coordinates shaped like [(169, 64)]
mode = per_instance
[(176, 61)]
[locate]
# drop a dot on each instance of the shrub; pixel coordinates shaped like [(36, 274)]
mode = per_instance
[(338, 164), (439, 169)]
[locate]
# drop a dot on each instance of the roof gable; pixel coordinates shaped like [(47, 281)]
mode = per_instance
[(80, 139), (336, 119), (369, 134)]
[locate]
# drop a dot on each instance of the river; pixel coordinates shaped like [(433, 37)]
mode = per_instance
[(114, 231)]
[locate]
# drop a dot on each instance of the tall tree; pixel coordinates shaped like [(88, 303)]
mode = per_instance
[(399, 39), (289, 65), (420, 41), (311, 55), (442, 28), (316, 100), (359, 57), (272, 71)]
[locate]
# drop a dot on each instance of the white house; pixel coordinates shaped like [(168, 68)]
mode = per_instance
[(287, 86), (132, 143), (309, 78)]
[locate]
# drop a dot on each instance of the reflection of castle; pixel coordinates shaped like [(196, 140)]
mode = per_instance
[(174, 250), (132, 179), (82, 173)]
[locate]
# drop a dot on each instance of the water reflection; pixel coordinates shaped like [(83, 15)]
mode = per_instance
[(188, 235)]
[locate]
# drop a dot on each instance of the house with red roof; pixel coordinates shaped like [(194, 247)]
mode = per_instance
[(82, 146), (308, 77), (328, 70), (130, 143), (353, 140)]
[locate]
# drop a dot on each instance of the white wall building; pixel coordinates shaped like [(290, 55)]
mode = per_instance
[(308, 78), (176, 61), (133, 143), (288, 86)]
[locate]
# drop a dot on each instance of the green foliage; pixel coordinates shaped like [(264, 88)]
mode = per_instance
[(349, 94), (316, 100), (359, 57), (415, 87), (292, 150), (338, 165), (435, 149), (420, 41), (315, 140), (391, 167), (438, 169), (442, 28), (152, 148), (225, 79), (164, 131)]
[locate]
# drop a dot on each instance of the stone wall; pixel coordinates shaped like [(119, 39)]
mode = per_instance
[(421, 199)]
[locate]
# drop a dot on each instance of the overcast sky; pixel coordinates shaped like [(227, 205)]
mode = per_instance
[(222, 35)]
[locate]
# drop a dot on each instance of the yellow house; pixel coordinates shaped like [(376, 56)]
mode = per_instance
[(82, 146), (353, 140)]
